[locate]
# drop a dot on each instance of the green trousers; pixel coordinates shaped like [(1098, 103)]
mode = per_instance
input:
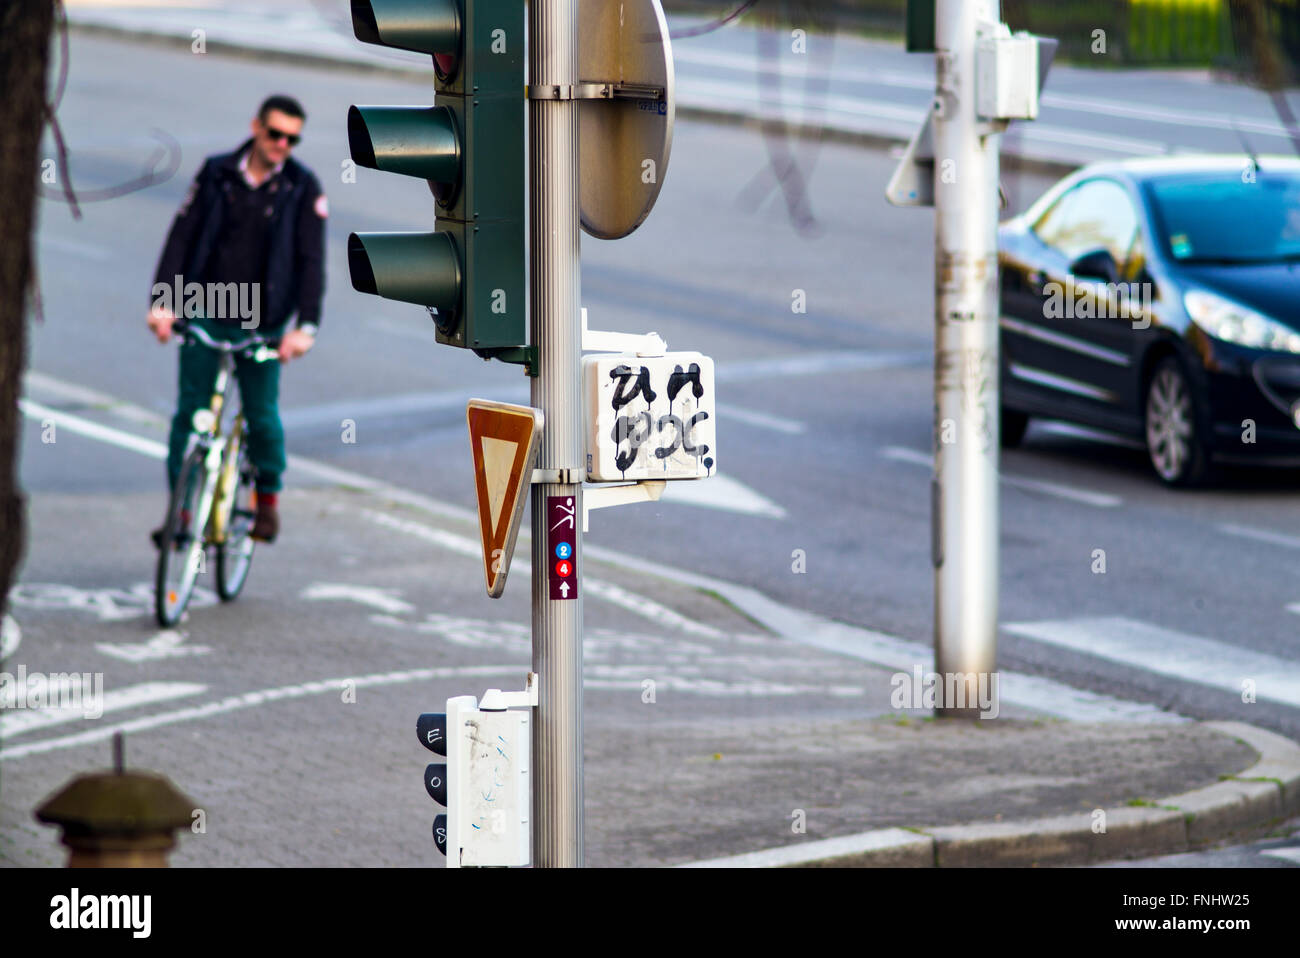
[(259, 391)]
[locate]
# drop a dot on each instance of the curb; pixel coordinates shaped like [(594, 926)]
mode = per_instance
[(878, 140), (1266, 793)]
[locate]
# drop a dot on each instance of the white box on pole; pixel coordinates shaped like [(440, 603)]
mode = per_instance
[(1006, 76), (650, 417)]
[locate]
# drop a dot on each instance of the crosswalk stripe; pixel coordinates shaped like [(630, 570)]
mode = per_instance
[(1166, 652)]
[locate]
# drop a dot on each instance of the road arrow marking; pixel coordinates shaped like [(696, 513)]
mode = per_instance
[(164, 645), (722, 492), (385, 600)]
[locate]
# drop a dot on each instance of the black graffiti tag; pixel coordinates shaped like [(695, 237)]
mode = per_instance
[(679, 379), (621, 396), (625, 431)]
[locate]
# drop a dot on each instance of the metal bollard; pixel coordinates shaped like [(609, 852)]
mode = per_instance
[(118, 819)]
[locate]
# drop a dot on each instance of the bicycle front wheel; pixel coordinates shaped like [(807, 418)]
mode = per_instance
[(235, 553), (181, 557)]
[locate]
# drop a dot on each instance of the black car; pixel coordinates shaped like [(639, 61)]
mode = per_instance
[(1160, 298)]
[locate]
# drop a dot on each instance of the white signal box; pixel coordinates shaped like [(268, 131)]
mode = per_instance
[(1006, 75), (650, 417), (489, 758)]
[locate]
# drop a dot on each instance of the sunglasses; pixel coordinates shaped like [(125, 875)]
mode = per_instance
[(275, 134)]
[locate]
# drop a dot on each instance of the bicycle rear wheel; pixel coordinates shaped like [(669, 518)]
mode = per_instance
[(235, 553), (181, 556)]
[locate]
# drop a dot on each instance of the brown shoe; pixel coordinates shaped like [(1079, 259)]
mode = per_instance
[(266, 525)]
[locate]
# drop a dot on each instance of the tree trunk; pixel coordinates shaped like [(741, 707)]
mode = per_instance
[(25, 27)]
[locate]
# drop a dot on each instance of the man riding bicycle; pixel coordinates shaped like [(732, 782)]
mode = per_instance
[(245, 252)]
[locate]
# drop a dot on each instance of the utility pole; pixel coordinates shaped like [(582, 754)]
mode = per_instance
[(556, 332), (964, 494), (985, 77)]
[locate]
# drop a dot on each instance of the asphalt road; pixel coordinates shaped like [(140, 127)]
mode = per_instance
[(824, 416)]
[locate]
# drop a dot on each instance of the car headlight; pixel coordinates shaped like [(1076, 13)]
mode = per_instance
[(1233, 323)]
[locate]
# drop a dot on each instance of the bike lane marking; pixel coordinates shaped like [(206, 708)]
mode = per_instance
[(93, 430), (18, 721), (250, 699)]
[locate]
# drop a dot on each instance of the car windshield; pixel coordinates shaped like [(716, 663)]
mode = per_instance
[(1224, 218)]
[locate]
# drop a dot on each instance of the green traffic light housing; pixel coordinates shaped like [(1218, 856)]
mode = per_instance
[(471, 151)]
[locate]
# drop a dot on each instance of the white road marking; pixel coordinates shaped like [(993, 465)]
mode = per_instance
[(853, 111), (726, 493), (1176, 654), (1289, 854), (728, 412), (93, 430), (164, 645), (248, 700), (812, 364), (19, 721), (77, 393), (902, 454), (111, 605), (1044, 695), (1098, 499), (720, 491), (649, 608), (1261, 535), (10, 636), (641, 605), (894, 78), (385, 600)]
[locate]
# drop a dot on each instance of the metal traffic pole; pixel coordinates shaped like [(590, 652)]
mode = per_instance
[(965, 485), (556, 332)]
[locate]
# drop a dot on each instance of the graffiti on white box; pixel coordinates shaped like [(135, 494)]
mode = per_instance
[(650, 417)]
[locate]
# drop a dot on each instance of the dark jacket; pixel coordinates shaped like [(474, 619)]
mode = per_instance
[(295, 267)]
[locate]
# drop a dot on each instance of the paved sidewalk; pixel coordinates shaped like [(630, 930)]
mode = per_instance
[(751, 741)]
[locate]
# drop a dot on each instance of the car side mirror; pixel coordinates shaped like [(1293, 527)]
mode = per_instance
[(1098, 264)]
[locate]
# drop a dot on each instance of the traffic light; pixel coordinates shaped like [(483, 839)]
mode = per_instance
[(484, 784), (470, 147), (431, 727)]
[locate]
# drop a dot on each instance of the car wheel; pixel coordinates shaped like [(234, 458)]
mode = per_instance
[(1178, 450), (1012, 427)]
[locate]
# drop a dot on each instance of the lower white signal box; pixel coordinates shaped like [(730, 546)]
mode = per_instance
[(489, 752)]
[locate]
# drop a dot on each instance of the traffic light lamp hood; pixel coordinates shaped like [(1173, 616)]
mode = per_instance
[(421, 26), (417, 141)]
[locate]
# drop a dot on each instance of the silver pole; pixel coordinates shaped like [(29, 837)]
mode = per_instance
[(964, 495), (556, 284)]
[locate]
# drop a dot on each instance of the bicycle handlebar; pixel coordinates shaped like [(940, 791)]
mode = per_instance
[(185, 331)]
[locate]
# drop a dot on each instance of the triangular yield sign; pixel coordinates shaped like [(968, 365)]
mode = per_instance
[(503, 439)]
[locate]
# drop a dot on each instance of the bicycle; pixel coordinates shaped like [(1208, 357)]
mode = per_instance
[(214, 500)]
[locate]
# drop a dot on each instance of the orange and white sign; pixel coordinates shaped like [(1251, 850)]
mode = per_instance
[(504, 442)]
